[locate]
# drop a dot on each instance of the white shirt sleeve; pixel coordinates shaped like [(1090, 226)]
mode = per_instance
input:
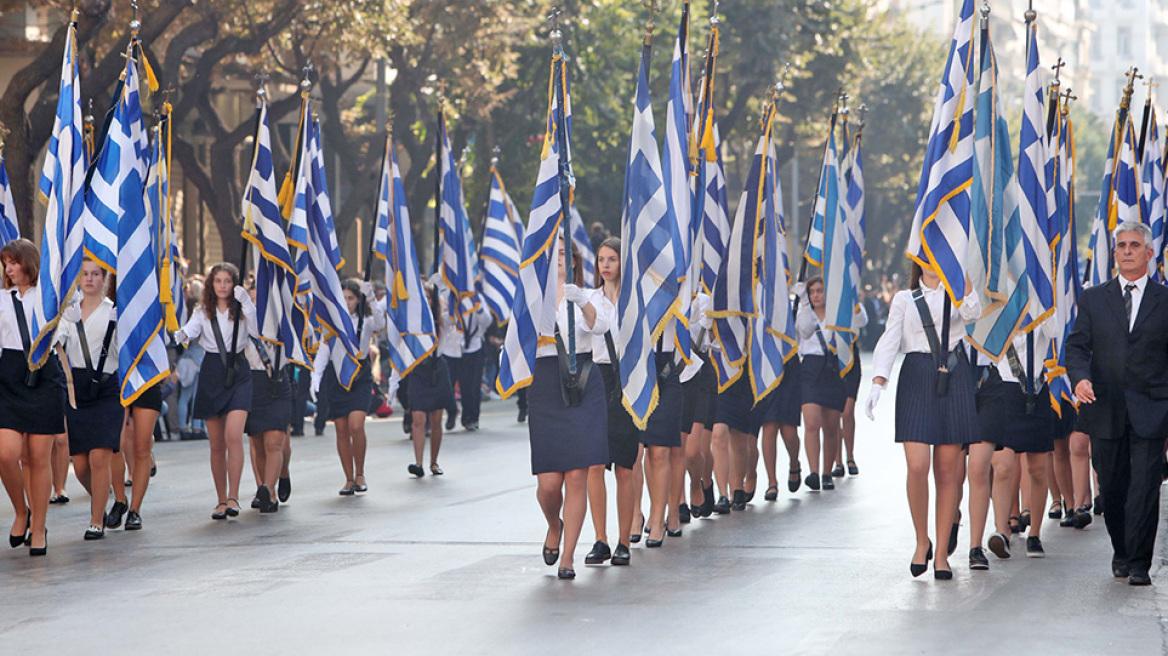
[(600, 324), (889, 345), (860, 319)]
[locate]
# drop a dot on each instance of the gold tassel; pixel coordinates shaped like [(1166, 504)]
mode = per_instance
[(151, 79)]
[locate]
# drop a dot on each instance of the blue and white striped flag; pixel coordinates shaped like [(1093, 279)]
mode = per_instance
[(1036, 186), (710, 224), (162, 224), (583, 244), (940, 231), (1068, 283), (1099, 252), (459, 255), (142, 359), (280, 321), (649, 301), (62, 191), (857, 217), (501, 251), (675, 164), (313, 210), (9, 227), (839, 284), (1152, 197), (996, 261), (772, 335), (1126, 199), (295, 184), (533, 318), (411, 324)]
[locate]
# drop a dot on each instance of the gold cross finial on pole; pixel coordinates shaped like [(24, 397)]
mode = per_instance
[(1058, 69), (262, 78), (1132, 74), (651, 5)]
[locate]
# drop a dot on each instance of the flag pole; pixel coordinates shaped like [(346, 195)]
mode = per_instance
[(438, 183), (1151, 84), (363, 304), (261, 98), (557, 38)]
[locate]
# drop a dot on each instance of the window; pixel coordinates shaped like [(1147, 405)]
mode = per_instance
[(1123, 41)]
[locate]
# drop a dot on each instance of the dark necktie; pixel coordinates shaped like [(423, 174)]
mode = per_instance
[(1127, 301)]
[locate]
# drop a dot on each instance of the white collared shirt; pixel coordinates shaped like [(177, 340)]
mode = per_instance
[(904, 332), (199, 327), (95, 326), (806, 323), (1137, 294), (9, 329), (607, 309)]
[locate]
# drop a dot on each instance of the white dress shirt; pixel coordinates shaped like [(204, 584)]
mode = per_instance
[(904, 332), (478, 322), (607, 309), (584, 333), (806, 323), (700, 304), (1137, 294), (9, 329), (199, 327), (95, 326), (374, 323)]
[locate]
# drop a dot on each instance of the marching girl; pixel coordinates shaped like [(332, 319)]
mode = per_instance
[(825, 393), (348, 408), (268, 421), (88, 330), (778, 414), (933, 426), (429, 391), (699, 386), (662, 441), (32, 404), (566, 440), (623, 445), (224, 396)]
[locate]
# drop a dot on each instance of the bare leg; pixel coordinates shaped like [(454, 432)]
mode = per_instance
[(812, 425), (118, 474), (358, 443), (738, 459), (1036, 466), (948, 467), (657, 480), (980, 456), (720, 446), (259, 457), (848, 431), (695, 462), (831, 437), (418, 435), (273, 442), (790, 436), (750, 479), (1024, 486), (98, 464), (60, 464), (550, 493), (676, 491), (1063, 479), (12, 475), (142, 435), (770, 453), (638, 489), (435, 435), (233, 438), (575, 507), (40, 470), (218, 444), (1080, 448), (345, 447), (1005, 495), (598, 501), (287, 448), (624, 503), (918, 457)]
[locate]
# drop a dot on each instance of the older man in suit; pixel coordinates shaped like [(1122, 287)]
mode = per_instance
[(1117, 358)]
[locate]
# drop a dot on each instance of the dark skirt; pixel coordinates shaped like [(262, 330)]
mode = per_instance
[(1001, 413), (271, 405), (699, 394), (923, 416), (664, 425), (564, 438), (38, 410), (784, 405), (341, 401), (1068, 422), (213, 398), (96, 423), (822, 384), (852, 378), (622, 432), (734, 407), (150, 398), (428, 385)]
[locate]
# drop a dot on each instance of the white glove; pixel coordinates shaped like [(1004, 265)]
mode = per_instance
[(436, 279), (799, 289), (72, 313), (706, 321), (241, 295), (574, 294), (367, 289), (181, 337), (314, 387), (873, 399)]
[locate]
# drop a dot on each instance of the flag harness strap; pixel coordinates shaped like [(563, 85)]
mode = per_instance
[(33, 376), (97, 375), (944, 359)]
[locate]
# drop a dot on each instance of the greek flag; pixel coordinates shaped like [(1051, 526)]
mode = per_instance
[(314, 211), (501, 251), (281, 323), (647, 227), (996, 262), (1152, 197), (1035, 182), (732, 304), (62, 191), (710, 225), (295, 186), (142, 360), (1126, 202), (825, 202), (459, 264), (772, 335), (940, 231), (1099, 252), (533, 319), (170, 282), (839, 283), (857, 218), (675, 164), (411, 325), (583, 244), (9, 227), (1068, 282)]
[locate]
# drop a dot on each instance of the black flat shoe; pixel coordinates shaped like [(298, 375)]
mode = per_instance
[(436, 470), (41, 551), (1068, 519), (60, 498), (828, 483), (918, 569), (450, 419), (417, 471), (739, 502), (359, 487), (566, 573), (349, 490), (114, 518), (283, 489), (621, 555), (749, 496), (1024, 520), (707, 507), (1082, 519), (95, 532), (812, 481), (267, 504), (772, 493), (232, 511), (853, 470), (522, 416), (722, 507), (977, 559), (943, 574), (683, 514), (837, 471), (1056, 510), (1120, 570), (600, 553), (793, 485), (16, 541), (134, 521), (255, 501), (550, 556), (218, 514)]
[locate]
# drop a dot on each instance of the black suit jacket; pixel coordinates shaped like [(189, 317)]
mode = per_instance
[(1128, 371)]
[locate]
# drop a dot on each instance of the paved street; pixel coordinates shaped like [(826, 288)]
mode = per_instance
[(451, 565)]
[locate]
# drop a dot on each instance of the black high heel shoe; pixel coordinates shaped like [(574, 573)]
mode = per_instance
[(40, 551), (918, 569), (15, 541), (651, 543)]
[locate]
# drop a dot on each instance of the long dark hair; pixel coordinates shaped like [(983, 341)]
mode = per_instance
[(24, 253), (914, 276), (614, 244), (210, 302), (577, 266), (354, 285), (435, 307)]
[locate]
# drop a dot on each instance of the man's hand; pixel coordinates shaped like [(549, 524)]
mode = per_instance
[(1085, 392)]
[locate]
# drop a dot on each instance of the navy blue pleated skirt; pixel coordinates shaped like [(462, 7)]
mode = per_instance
[(784, 405), (1001, 413), (213, 398), (37, 410), (664, 426), (854, 375), (923, 416), (622, 432), (96, 422), (428, 385), (271, 404), (822, 384), (564, 438), (357, 398)]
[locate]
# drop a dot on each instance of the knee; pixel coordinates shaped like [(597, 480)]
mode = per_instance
[(659, 455)]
